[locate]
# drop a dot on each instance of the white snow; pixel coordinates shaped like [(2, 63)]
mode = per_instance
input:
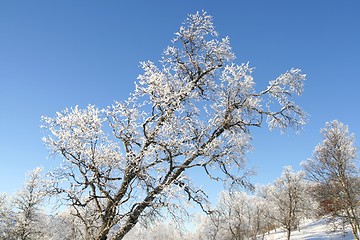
[(311, 230)]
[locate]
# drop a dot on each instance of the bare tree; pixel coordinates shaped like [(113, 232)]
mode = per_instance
[(27, 202), (260, 225), (287, 198), (333, 168), (6, 217), (236, 211), (230, 219), (236, 216), (65, 226), (195, 111), (157, 231), (209, 227)]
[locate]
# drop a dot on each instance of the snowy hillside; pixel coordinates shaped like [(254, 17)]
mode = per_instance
[(311, 230)]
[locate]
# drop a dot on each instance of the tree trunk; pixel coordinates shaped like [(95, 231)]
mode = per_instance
[(288, 233)]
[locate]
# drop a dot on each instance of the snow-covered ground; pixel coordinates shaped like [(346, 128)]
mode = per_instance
[(311, 230)]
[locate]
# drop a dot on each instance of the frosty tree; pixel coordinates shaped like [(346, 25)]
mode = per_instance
[(288, 200), (236, 216), (28, 218), (6, 223), (334, 169), (193, 110)]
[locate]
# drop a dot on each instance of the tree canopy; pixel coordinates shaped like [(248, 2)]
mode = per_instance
[(195, 109)]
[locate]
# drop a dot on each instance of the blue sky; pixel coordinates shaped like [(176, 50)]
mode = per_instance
[(58, 54)]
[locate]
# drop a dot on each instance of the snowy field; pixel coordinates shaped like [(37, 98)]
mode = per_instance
[(311, 230)]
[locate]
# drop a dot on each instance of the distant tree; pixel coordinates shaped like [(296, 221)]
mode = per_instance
[(159, 230), (287, 198), (334, 169), (194, 111), (260, 224), (27, 213), (209, 227), (237, 216), (6, 217), (65, 226), (230, 219)]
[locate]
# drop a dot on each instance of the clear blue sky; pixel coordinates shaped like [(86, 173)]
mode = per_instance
[(57, 54)]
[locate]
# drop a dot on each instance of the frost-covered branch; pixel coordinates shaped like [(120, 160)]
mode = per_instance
[(195, 109)]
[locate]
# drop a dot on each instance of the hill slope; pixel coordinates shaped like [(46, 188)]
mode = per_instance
[(311, 230)]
